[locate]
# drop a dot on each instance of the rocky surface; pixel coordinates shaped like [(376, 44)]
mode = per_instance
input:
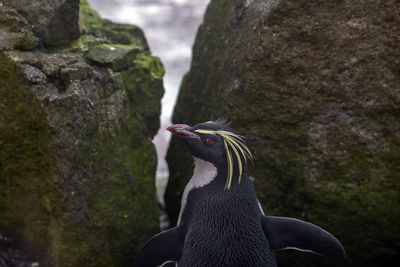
[(15, 31), (55, 22), (315, 85), (77, 117), (14, 258)]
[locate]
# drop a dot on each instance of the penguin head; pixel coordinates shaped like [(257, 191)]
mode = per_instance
[(216, 143)]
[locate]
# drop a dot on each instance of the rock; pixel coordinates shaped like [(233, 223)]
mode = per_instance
[(15, 32), (12, 257), (315, 86), (56, 22), (33, 74), (142, 81), (77, 162), (92, 25), (116, 56)]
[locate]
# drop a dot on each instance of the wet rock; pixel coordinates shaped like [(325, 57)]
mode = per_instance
[(77, 162), (315, 87)]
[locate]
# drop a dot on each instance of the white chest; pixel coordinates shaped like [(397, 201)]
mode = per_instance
[(203, 174)]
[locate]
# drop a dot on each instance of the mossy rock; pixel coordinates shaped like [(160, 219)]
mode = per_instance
[(92, 24), (28, 201), (56, 22), (314, 86), (143, 81), (77, 162), (15, 31), (116, 56)]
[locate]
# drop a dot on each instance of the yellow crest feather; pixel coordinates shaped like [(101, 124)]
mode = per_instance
[(235, 143), (205, 131), (230, 166), (237, 157)]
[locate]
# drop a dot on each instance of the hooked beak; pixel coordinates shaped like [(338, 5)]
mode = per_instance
[(181, 130)]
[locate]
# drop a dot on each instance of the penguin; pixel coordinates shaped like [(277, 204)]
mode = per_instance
[(221, 222)]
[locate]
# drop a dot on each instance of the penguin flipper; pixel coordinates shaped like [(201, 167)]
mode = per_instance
[(290, 233), (161, 248)]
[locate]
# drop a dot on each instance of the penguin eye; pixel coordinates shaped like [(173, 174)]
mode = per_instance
[(210, 141)]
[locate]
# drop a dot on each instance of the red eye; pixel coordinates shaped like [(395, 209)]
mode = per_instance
[(210, 140)]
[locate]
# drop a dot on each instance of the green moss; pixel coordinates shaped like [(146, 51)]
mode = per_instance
[(124, 204), (144, 86), (151, 64), (27, 206), (92, 24), (28, 40), (97, 31)]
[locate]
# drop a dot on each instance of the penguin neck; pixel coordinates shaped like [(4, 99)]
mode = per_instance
[(206, 172), (203, 174)]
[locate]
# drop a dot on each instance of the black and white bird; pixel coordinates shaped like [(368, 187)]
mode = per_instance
[(221, 222)]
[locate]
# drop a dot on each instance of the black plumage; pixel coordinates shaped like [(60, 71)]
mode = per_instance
[(225, 227)]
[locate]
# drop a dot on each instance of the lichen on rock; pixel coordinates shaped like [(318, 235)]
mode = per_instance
[(77, 161)]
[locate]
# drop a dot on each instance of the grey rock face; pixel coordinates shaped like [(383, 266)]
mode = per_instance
[(315, 87)]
